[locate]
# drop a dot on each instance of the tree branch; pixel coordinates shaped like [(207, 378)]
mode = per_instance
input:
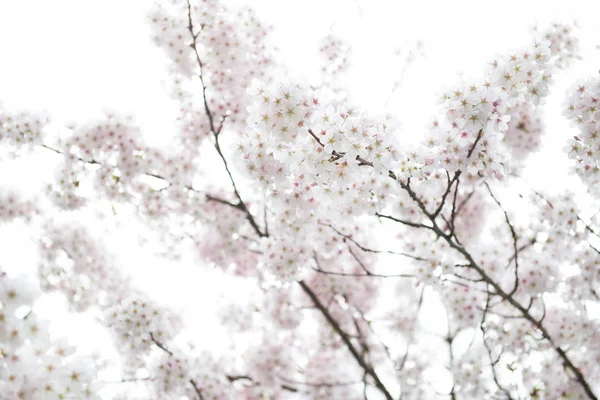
[(507, 297), (369, 250), (241, 205), (344, 336)]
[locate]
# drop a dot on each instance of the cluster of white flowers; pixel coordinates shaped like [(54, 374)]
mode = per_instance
[(569, 327), (315, 162), (359, 292), (322, 369), (32, 364), (114, 150), (538, 274), (302, 149), (269, 361), (582, 108), (516, 332), (404, 320), (13, 204), (226, 243), (469, 375), (284, 258), (588, 261), (64, 191), (178, 374), (551, 384), (523, 135), (224, 41), (477, 116), (335, 55), (564, 45), (280, 307), (137, 324), (239, 317), (465, 304), (21, 129), (558, 217), (75, 263)]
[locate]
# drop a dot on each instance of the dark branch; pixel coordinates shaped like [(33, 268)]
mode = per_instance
[(196, 389), (241, 205), (344, 336), (369, 250), (479, 136)]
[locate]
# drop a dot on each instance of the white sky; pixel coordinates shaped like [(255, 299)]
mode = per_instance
[(75, 58)]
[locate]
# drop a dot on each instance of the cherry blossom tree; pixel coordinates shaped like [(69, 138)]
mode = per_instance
[(341, 230)]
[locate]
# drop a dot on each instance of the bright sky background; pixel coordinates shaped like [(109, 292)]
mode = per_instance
[(76, 58)]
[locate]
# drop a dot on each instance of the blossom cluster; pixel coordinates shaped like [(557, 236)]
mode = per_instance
[(227, 243), (303, 147), (469, 375), (564, 45), (335, 55), (225, 47), (464, 303), (570, 327), (328, 381), (523, 134), (268, 362), (476, 117), (582, 108), (13, 204), (21, 129), (178, 374), (137, 324), (114, 153), (34, 365), (74, 262), (561, 215), (588, 261)]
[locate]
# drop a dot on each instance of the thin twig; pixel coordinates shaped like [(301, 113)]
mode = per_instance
[(514, 240), (369, 250), (216, 132)]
